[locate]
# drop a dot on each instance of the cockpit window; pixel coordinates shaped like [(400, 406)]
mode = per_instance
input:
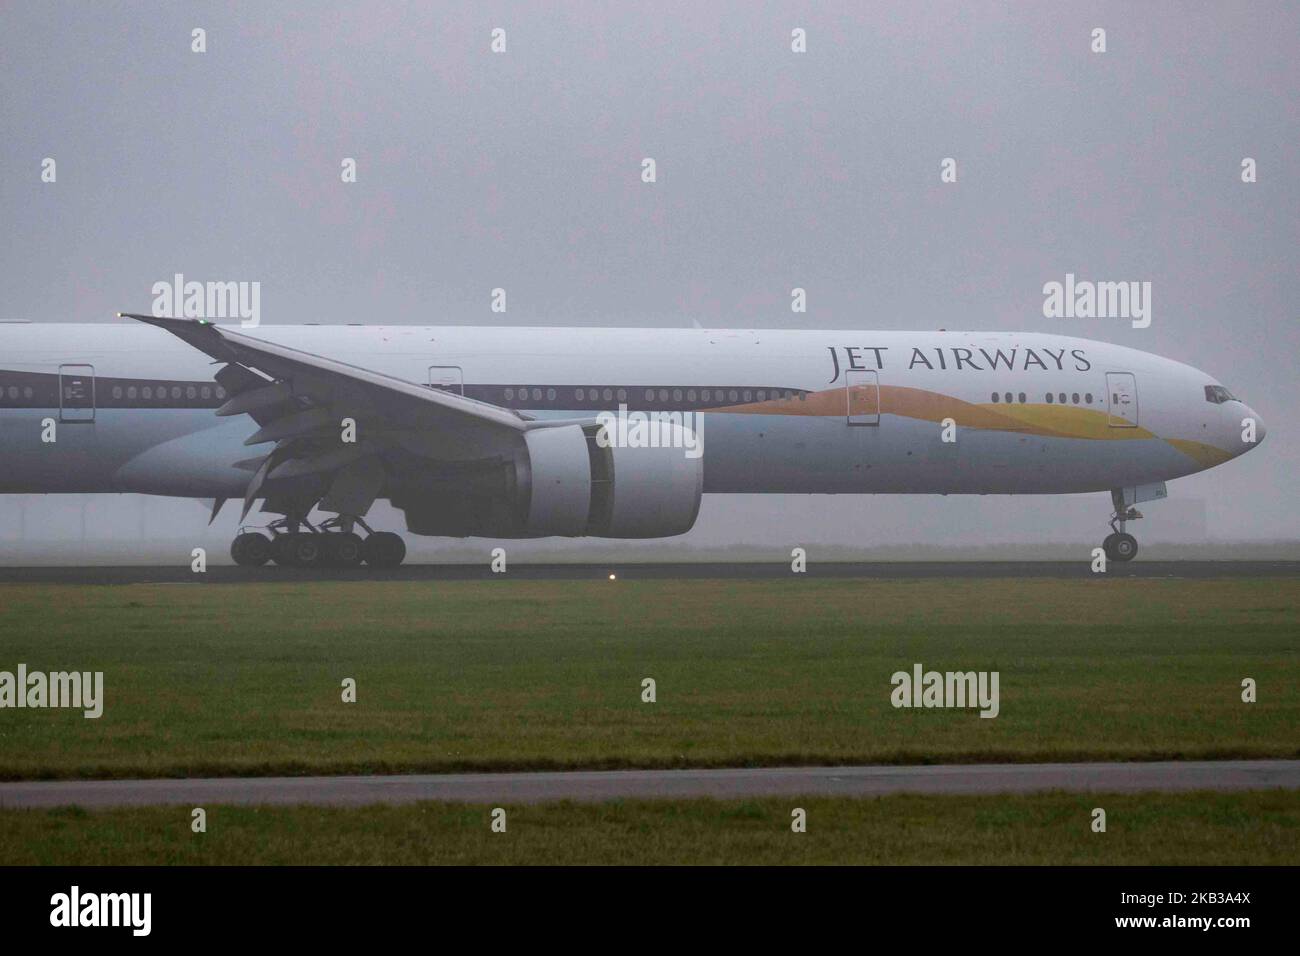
[(1218, 395)]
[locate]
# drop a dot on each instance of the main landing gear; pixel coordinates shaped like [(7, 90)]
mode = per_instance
[(1119, 545), (331, 545)]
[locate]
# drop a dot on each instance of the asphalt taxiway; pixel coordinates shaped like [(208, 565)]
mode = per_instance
[(724, 783), (878, 570)]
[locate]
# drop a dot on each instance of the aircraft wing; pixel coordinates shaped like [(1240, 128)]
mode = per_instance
[(301, 401), (327, 381)]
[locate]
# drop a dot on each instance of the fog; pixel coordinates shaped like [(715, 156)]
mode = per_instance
[(820, 170)]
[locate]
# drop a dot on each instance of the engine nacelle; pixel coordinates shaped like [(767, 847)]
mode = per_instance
[(580, 483), (556, 481), (568, 481)]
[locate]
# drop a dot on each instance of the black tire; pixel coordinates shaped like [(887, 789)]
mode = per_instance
[(383, 549), (1108, 546), (346, 550), (282, 550), (308, 550), (1124, 547), (250, 549)]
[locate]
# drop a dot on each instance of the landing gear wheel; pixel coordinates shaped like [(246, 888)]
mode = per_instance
[(1120, 547), (346, 550), (1108, 545), (306, 550), (281, 550), (383, 549), (250, 549)]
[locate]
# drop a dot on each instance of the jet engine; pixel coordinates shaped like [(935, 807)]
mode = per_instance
[(571, 481)]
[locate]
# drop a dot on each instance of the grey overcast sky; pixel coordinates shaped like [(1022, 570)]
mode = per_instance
[(775, 169)]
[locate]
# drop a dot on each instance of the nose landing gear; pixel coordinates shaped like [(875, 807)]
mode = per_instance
[(1119, 545)]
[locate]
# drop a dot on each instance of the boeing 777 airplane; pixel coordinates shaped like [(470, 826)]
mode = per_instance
[(617, 433)]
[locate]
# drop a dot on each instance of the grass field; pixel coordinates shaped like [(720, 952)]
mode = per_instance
[(245, 679), (1166, 829)]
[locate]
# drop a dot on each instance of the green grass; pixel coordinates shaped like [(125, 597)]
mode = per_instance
[(245, 679), (1260, 827)]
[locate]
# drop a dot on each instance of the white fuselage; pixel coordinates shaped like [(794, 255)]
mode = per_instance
[(781, 411)]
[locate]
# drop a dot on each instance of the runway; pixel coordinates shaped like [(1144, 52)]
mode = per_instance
[(878, 570), (587, 786)]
